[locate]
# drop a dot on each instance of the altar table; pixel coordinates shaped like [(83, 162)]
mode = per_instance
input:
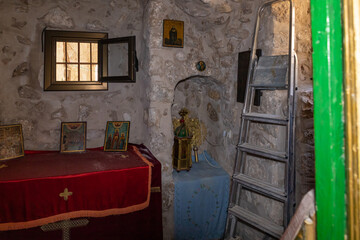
[(118, 192), (201, 200)]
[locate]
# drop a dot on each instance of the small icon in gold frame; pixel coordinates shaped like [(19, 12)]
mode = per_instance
[(73, 137), (11, 142), (173, 33), (116, 136)]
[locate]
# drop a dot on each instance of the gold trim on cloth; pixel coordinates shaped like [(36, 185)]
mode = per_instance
[(3, 166), (155, 189)]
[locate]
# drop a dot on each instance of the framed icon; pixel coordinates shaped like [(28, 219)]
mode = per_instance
[(116, 136), (73, 137), (173, 33), (11, 142)]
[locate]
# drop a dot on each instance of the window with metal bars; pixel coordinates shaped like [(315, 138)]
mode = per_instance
[(76, 61), (71, 60)]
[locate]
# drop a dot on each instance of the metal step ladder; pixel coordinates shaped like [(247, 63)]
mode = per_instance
[(267, 73)]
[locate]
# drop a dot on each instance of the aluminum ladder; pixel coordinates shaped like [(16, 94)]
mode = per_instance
[(266, 73)]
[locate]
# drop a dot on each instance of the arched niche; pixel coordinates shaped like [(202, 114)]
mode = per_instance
[(204, 98)]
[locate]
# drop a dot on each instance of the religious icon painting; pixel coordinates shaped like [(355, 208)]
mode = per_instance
[(116, 136), (173, 33), (11, 142), (73, 137)]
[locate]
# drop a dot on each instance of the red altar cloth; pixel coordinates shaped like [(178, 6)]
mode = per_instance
[(102, 184)]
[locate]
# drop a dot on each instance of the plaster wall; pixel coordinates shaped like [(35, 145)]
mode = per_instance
[(203, 97), (22, 99)]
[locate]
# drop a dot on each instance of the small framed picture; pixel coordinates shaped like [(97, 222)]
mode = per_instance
[(116, 136), (11, 142), (73, 137), (173, 33)]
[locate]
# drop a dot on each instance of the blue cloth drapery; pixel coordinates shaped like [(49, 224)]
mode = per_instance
[(201, 200)]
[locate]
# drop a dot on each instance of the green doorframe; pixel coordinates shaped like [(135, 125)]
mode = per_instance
[(328, 119)]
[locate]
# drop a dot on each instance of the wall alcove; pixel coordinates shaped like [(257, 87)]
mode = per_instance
[(204, 98)]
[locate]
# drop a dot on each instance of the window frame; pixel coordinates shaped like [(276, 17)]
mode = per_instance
[(50, 83), (130, 77)]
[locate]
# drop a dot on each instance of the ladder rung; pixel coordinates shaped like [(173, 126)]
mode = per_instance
[(256, 221), (264, 152), (261, 187), (265, 118)]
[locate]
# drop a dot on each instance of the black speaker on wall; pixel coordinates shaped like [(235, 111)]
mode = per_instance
[(243, 68)]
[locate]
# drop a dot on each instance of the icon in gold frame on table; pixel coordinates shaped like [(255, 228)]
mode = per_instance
[(116, 136), (11, 142), (73, 137)]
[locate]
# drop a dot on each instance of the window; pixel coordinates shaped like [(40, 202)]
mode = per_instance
[(76, 61), (87, 61), (71, 61), (117, 61)]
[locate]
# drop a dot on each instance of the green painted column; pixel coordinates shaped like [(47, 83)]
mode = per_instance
[(328, 119)]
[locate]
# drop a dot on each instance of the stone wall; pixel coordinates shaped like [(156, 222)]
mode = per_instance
[(22, 99), (215, 31)]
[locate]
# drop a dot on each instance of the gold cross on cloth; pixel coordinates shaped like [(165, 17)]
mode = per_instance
[(65, 194), (3, 166), (124, 156), (65, 226)]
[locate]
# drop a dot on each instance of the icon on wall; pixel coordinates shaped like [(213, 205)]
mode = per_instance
[(173, 34), (200, 66)]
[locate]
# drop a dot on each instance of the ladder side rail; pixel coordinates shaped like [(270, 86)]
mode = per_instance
[(252, 61), (247, 128), (232, 226), (240, 159), (252, 94), (289, 177), (237, 202), (248, 122), (231, 220), (235, 186), (241, 170), (244, 123), (249, 96), (293, 138), (238, 153), (291, 162)]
